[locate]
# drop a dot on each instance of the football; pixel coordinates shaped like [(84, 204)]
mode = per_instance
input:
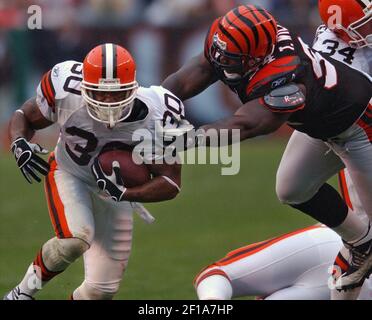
[(133, 174)]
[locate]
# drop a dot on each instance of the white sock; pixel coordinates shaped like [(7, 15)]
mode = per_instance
[(215, 287), (352, 229), (31, 283)]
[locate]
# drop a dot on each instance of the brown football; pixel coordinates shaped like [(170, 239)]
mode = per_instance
[(133, 174)]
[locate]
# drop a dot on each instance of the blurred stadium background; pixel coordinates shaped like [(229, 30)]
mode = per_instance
[(214, 214)]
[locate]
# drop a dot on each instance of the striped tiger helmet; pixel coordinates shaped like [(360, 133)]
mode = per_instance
[(109, 83), (351, 20), (241, 41)]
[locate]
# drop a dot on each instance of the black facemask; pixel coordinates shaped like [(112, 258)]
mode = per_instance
[(238, 66)]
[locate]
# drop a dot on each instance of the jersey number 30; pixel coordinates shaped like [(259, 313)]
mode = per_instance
[(81, 153)]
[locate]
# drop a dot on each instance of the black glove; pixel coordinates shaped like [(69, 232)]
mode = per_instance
[(113, 184), (27, 160)]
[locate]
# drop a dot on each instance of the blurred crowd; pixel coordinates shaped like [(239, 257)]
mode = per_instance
[(161, 34)]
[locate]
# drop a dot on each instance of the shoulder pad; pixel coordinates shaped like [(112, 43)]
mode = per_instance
[(320, 30), (66, 77), (275, 74), (288, 98), (56, 84), (323, 34), (168, 101)]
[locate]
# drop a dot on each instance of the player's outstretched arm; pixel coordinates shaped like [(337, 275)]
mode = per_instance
[(263, 115), (194, 77), (22, 127), (251, 119)]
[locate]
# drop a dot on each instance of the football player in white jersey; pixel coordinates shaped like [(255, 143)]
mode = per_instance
[(298, 265), (98, 106)]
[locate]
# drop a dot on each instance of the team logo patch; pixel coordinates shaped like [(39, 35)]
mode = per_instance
[(293, 100), (278, 83), (56, 72)]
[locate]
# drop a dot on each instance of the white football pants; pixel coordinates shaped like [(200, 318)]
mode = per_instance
[(78, 211)]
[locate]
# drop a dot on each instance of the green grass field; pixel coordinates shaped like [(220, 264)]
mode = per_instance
[(213, 215)]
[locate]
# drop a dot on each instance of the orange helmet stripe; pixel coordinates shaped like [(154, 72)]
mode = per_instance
[(243, 27), (247, 40), (266, 16), (274, 27), (259, 16), (248, 22), (230, 37)]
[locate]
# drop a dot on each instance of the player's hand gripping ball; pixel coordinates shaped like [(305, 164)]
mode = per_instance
[(115, 171)]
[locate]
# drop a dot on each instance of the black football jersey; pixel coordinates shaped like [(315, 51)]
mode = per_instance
[(336, 95)]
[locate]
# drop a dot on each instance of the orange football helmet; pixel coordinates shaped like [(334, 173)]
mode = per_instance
[(241, 41), (351, 20), (109, 83)]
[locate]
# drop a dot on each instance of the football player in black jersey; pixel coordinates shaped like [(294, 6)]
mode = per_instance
[(280, 79)]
